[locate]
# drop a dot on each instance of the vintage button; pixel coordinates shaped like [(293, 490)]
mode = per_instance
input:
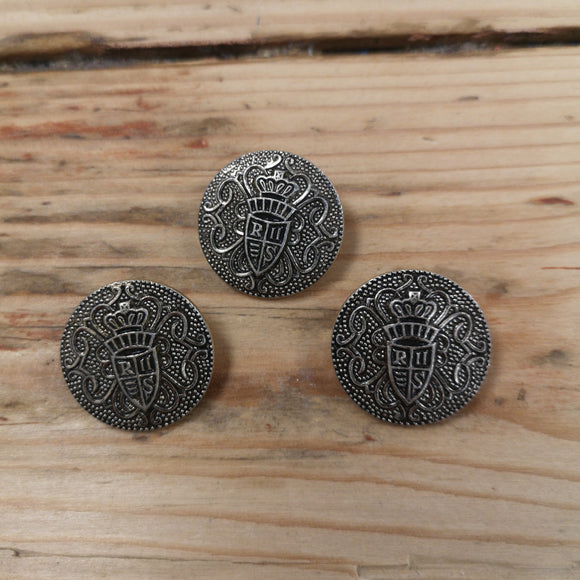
[(137, 355), (411, 347), (270, 223)]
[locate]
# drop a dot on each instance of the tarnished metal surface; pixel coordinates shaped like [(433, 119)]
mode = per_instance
[(411, 347), (137, 355), (270, 223)]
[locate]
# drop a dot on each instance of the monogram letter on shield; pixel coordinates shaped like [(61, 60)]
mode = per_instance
[(137, 371), (264, 242), (410, 362)]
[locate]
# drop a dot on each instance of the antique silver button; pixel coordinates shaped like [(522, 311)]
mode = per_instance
[(411, 347), (270, 223), (137, 355)]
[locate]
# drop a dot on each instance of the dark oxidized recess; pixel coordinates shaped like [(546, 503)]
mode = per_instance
[(411, 347), (270, 223), (137, 355)]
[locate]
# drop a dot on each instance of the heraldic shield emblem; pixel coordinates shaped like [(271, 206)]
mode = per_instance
[(268, 223), (133, 355), (411, 346), (138, 375)]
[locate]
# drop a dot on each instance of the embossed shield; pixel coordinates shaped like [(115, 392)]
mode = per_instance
[(137, 371), (264, 242), (410, 363)]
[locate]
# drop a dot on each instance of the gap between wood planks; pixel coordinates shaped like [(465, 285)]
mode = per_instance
[(80, 50)]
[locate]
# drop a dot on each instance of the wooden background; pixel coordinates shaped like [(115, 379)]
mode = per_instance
[(461, 157)]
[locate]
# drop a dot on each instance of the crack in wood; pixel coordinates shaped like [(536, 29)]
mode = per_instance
[(81, 50)]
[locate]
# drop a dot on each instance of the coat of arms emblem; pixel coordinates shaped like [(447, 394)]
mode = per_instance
[(268, 222), (411, 346), (133, 355)]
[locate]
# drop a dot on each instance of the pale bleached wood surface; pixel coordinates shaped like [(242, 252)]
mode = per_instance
[(25, 27), (467, 166)]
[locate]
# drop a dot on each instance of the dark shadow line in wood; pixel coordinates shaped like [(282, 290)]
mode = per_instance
[(80, 50)]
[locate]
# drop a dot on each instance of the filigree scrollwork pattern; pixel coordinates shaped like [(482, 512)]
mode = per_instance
[(411, 347), (270, 223), (137, 355)]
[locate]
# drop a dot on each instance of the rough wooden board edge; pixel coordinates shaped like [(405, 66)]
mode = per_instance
[(77, 49)]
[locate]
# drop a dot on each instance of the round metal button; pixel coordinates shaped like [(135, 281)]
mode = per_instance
[(411, 347), (137, 355), (270, 223)]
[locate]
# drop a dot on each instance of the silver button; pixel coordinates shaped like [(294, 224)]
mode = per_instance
[(137, 355), (270, 223), (411, 347)]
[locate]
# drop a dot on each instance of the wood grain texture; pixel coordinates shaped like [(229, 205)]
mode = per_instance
[(466, 166), (54, 26)]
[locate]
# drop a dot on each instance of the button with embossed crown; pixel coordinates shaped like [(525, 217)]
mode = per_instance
[(137, 355), (411, 347), (270, 223)]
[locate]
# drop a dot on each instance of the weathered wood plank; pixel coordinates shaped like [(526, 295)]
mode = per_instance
[(39, 27), (467, 166)]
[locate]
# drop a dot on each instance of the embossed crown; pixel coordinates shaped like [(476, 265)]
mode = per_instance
[(413, 319), (127, 325), (274, 196), (276, 186)]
